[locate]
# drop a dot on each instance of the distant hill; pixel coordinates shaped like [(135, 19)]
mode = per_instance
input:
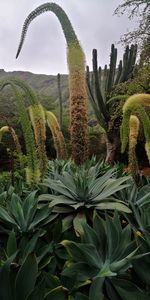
[(44, 84)]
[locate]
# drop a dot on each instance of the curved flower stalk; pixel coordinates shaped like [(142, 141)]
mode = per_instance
[(77, 81), (134, 125), (58, 138), (29, 92), (32, 170), (37, 117), (9, 129), (134, 104)]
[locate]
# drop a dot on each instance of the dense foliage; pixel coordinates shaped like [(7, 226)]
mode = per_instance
[(69, 245), (78, 229)]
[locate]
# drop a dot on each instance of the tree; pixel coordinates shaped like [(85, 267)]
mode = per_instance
[(136, 9)]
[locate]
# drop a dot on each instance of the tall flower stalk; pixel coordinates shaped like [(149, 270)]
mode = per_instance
[(9, 129), (77, 81), (59, 142), (32, 170), (134, 125), (37, 117), (136, 103)]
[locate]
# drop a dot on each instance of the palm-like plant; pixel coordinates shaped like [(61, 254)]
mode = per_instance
[(104, 257)]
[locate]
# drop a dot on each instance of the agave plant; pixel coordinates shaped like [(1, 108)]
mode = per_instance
[(24, 216), (20, 281), (58, 166), (104, 257), (139, 200), (80, 191), (140, 223)]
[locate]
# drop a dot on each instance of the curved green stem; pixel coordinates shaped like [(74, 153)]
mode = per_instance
[(32, 170), (77, 81), (9, 129), (29, 92), (58, 138), (135, 104), (37, 116), (61, 15)]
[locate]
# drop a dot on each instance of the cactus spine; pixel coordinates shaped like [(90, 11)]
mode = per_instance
[(135, 104), (57, 135), (77, 82)]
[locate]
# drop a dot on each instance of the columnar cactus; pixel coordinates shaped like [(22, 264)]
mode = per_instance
[(111, 76), (77, 81), (103, 83)]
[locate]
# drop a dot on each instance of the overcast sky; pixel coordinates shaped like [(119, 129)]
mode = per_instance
[(44, 50)]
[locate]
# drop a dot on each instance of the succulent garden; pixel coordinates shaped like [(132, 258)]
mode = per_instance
[(75, 197)]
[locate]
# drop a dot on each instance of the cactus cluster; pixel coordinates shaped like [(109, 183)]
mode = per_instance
[(100, 83)]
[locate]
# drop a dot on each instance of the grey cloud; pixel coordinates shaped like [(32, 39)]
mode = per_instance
[(44, 50)]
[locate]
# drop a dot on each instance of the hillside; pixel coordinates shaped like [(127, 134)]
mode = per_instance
[(45, 85)]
